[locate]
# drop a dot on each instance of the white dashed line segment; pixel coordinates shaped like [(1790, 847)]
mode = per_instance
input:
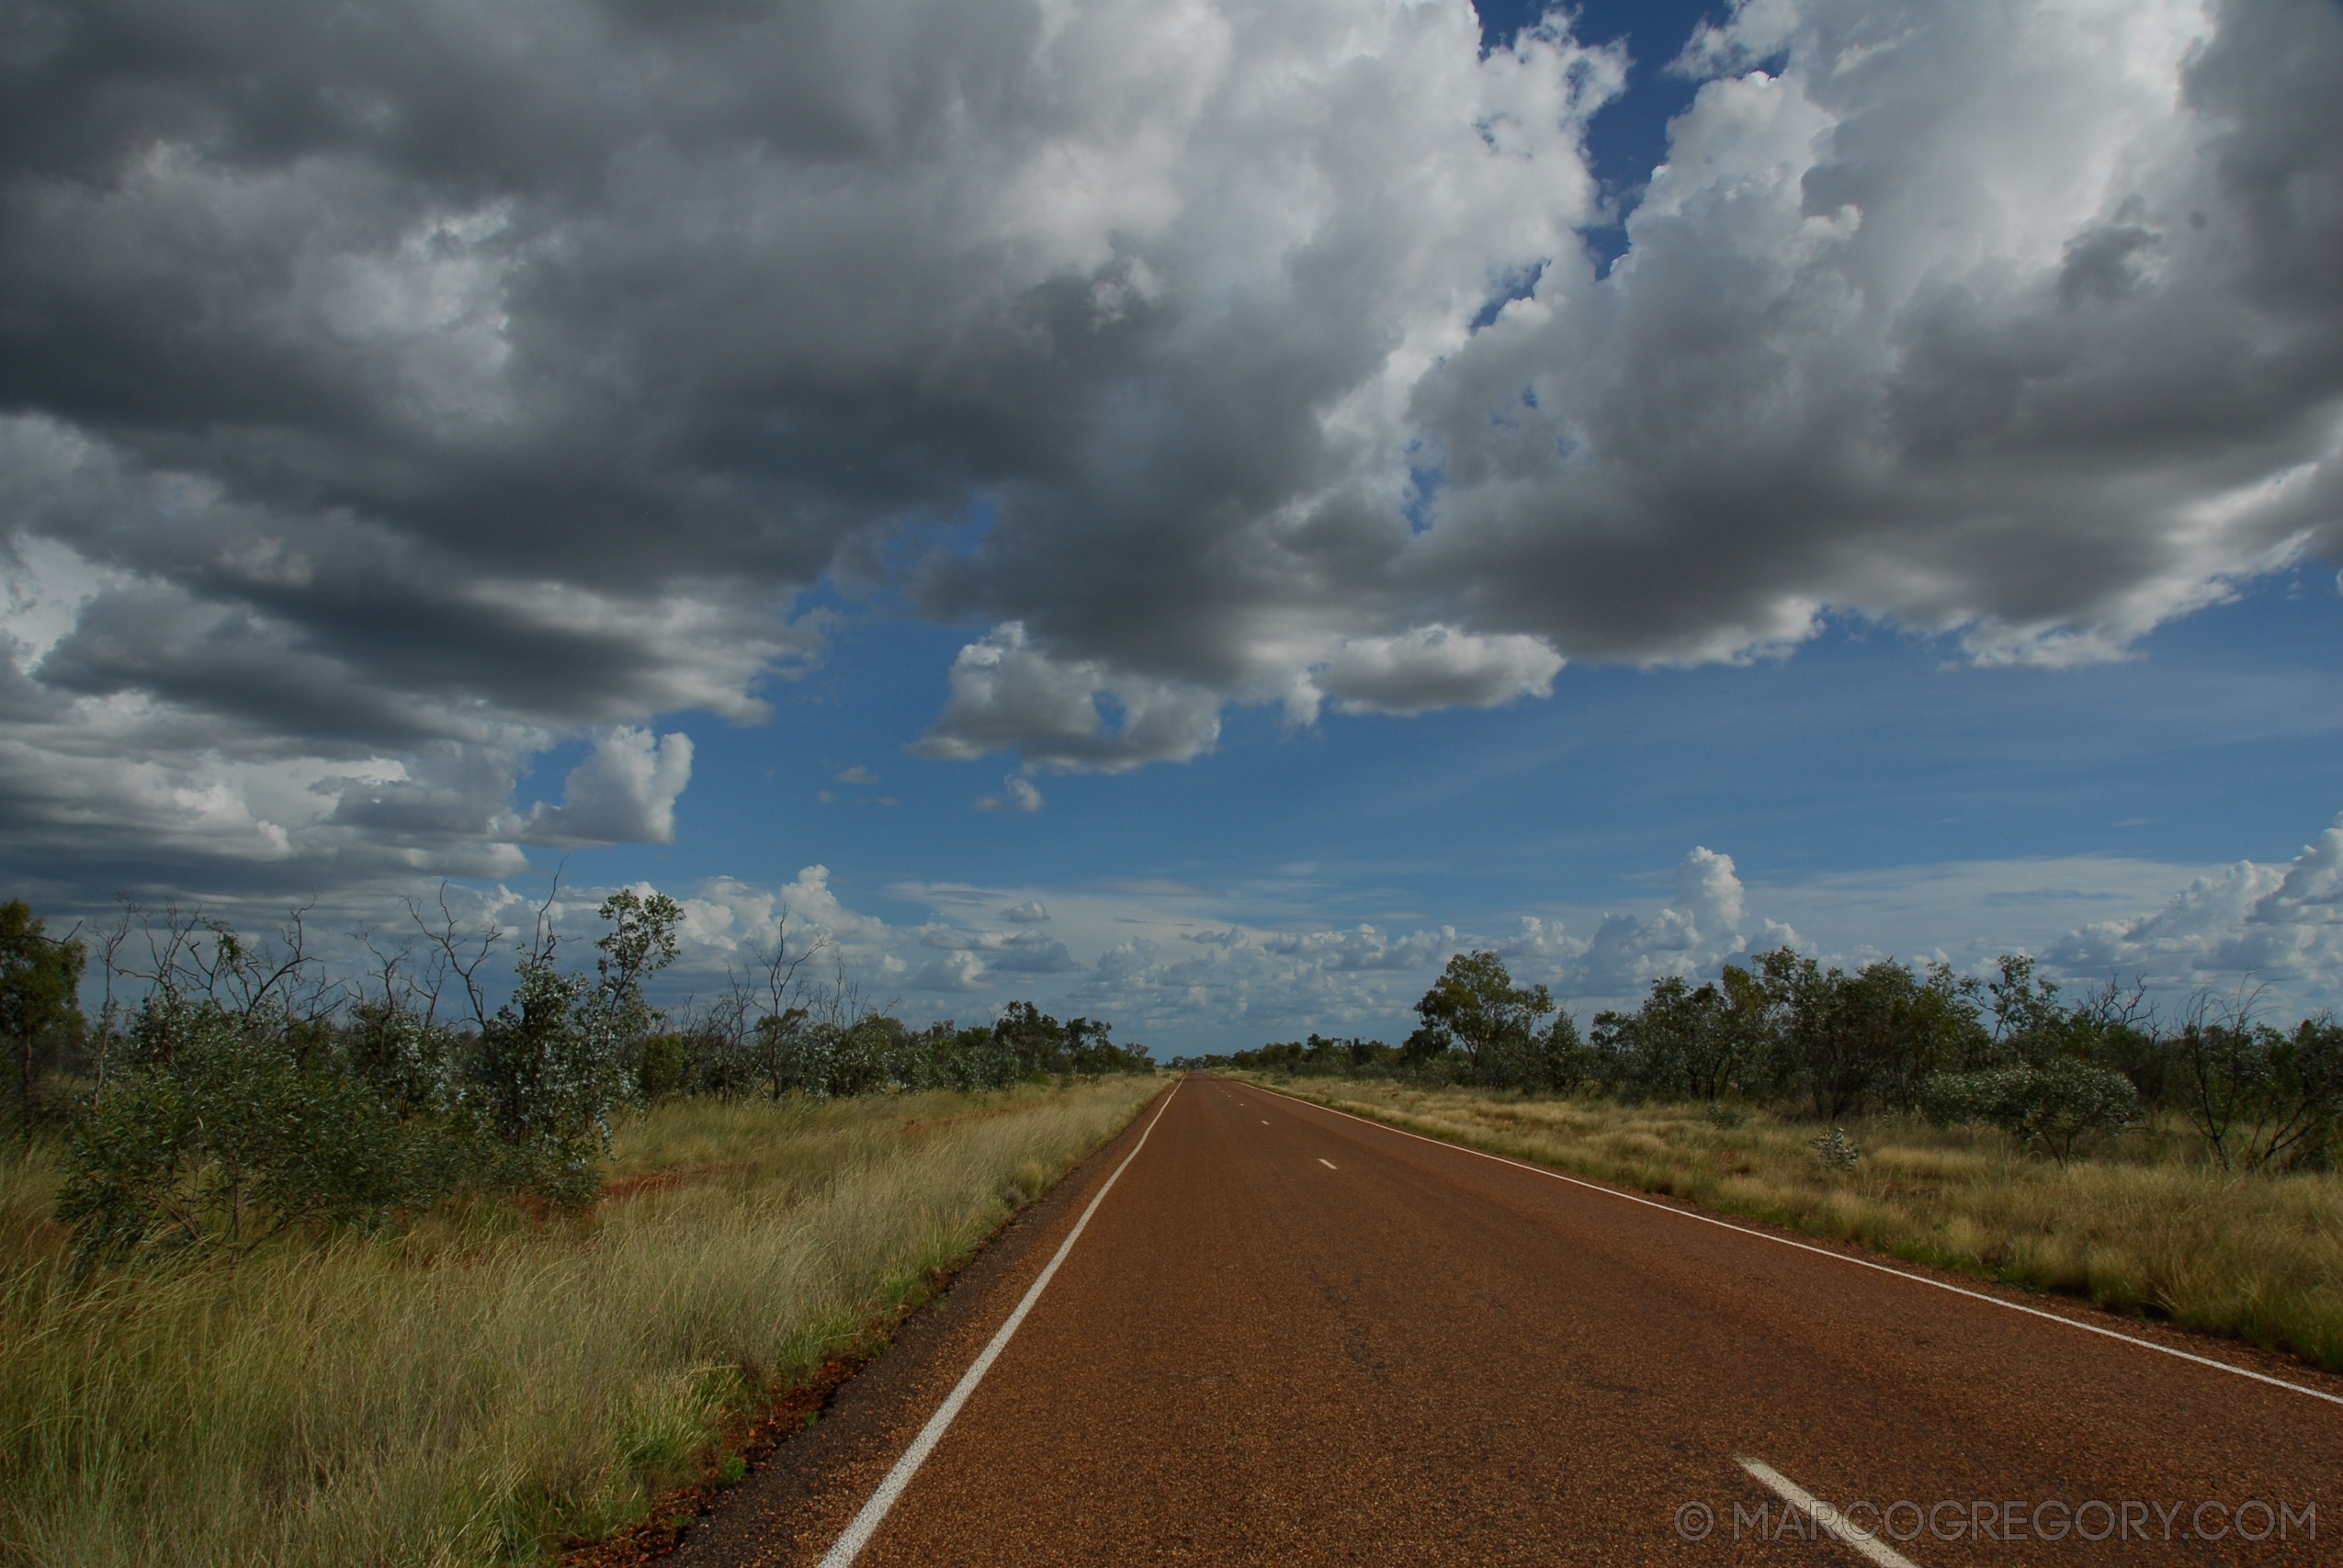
[(1866, 1541)]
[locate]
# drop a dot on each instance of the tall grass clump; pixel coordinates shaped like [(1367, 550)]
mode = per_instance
[(497, 1375)]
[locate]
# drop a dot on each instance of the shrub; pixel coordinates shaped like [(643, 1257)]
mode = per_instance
[(227, 1142), (663, 1068), (1836, 1151), (2055, 1106), (38, 977), (2258, 1096)]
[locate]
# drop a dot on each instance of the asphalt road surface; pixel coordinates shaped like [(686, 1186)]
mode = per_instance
[(1287, 1337)]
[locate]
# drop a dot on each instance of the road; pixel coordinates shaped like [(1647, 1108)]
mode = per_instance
[(1287, 1337)]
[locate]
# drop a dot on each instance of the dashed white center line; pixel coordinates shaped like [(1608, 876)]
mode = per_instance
[(1327, 1163), (1866, 1543)]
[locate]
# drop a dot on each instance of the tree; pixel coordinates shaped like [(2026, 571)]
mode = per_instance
[(548, 1063), (1836, 1034), (638, 944), (40, 978), (1038, 1040), (1685, 1040), (1561, 1057), (1476, 1002), (2028, 1024), (2255, 1095)]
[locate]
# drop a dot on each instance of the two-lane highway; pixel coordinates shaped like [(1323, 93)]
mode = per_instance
[(1289, 1336)]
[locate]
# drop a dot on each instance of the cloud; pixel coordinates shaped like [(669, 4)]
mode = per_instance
[(1704, 925), (1033, 912), (1010, 953), (1005, 692), (1361, 947), (1031, 952), (1169, 962), (1435, 667), (1871, 351), (957, 971), (397, 391), (415, 377), (1869, 354), (2280, 926), (728, 922), (623, 793), (1022, 795)]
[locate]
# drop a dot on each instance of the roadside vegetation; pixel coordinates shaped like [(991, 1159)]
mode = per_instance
[(2183, 1170), (300, 1270)]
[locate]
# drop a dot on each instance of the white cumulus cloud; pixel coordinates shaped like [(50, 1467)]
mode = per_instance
[(623, 793), (2279, 925)]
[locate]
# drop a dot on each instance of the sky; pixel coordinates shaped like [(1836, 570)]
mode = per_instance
[(1189, 513)]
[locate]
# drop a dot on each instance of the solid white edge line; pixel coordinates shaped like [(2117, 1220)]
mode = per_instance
[(1821, 1251), (857, 1534), (1830, 1519)]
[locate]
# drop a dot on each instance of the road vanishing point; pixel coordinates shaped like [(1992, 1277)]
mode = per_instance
[(1253, 1330)]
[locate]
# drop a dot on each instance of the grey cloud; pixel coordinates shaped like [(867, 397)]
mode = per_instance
[(1031, 952), (1021, 952), (1957, 319), (446, 793), (1005, 692), (957, 971), (411, 374)]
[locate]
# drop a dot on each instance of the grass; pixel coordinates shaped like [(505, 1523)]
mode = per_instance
[(486, 1384), (2144, 1227)]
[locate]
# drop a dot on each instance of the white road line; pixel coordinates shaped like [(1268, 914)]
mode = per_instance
[(1264, 1123), (849, 1545), (1825, 1252), (1327, 1163), (1830, 1519)]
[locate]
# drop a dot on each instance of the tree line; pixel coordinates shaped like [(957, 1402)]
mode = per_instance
[(226, 1090), (2007, 1050)]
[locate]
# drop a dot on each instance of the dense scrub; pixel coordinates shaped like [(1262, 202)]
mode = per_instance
[(303, 1268), (486, 1380), (2007, 1052), (228, 1091)]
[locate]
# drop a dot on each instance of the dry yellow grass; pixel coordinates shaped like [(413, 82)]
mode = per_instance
[(468, 1391), (2145, 1228)]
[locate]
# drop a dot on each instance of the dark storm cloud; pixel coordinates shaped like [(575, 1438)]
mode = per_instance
[(388, 391)]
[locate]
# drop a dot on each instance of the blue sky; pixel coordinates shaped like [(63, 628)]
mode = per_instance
[(2039, 799), (1192, 513)]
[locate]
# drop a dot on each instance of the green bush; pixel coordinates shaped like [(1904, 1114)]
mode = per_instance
[(664, 1067), (228, 1142), (2054, 1106)]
